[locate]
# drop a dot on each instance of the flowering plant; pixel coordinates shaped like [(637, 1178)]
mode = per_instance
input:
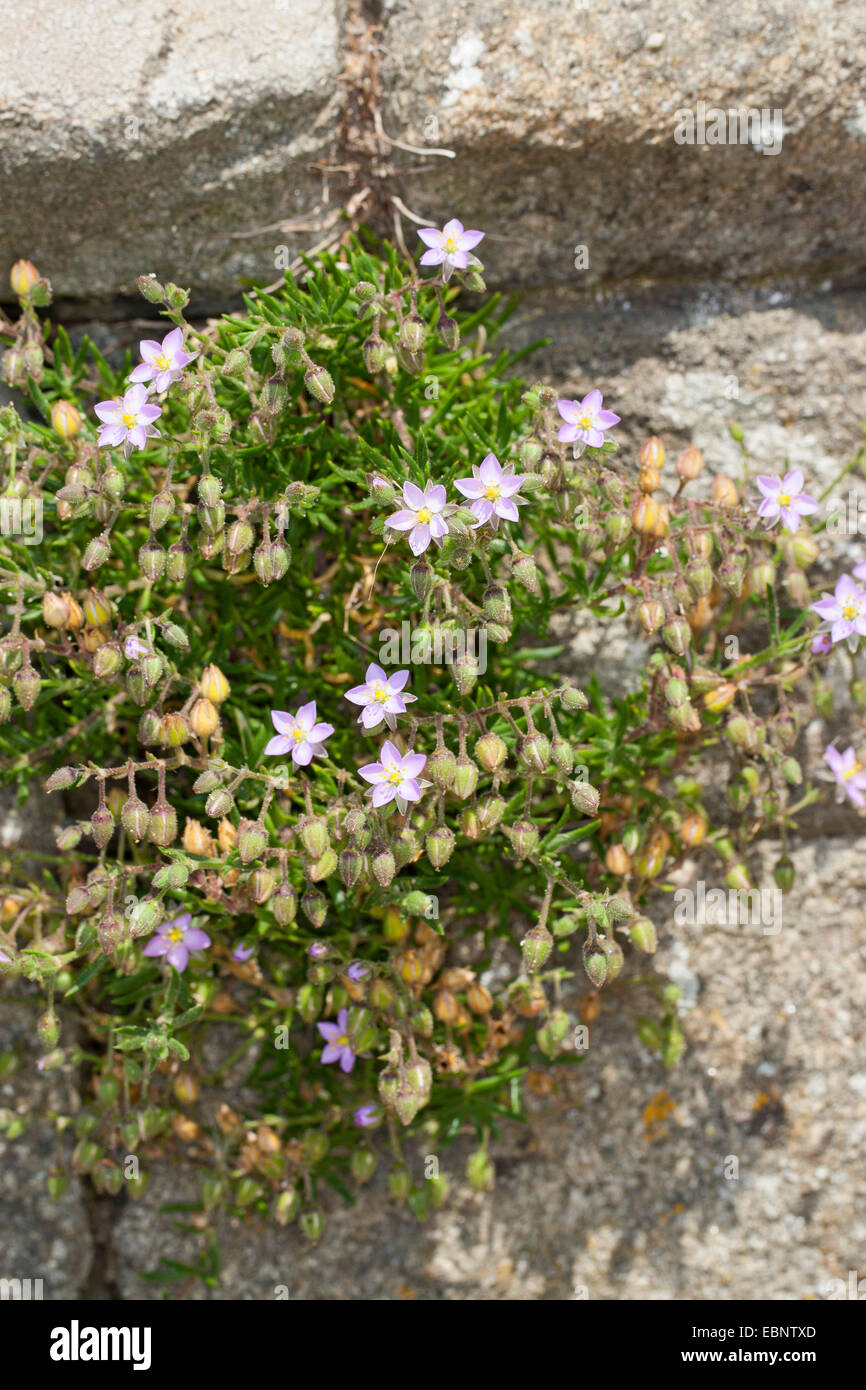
[(436, 888)]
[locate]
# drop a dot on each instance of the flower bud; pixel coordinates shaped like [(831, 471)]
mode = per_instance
[(102, 826), (439, 845), (643, 935), (465, 673), (65, 419), (585, 798), (524, 838), (252, 840), (173, 730), (107, 661), (196, 839), (162, 829), (677, 635), (204, 719), (595, 964), (145, 916), (323, 867), (384, 867), (689, 463), (152, 290), (490, 813), (151, 559), (441, 767), (178, 561), (261, 885), (723, 491), (536, 946), (320, 384), (374, 351), (480, 1173), (26, 684), (351, 866), (284, 904), (413, 332), (645, 516), (161, 510), (784, 873), (693, 829), (135, 818), (97, 608), (22, 278), (617, 861), (534, 752), (315, 907), (491, 752), (220, 803)]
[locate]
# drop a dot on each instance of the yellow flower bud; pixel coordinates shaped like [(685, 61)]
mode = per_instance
[(652, 453), (196, 839), (645, 516), (204, 719), (721, 698), (617, 861), (227, 836), (65, 419), (723, 491), (689, 463), (213, 685), (648, 479), (22, 278), (97, 609)]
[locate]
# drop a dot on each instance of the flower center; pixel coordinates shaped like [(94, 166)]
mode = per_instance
[(423, 516), (175, 934), (298, 735), (491, 492), (784, 499), (852, 771), (395, 776), (586, 420), (851, 609), (342, 1041), (129, 420), (163, 362), (380, 692), (450, 245)]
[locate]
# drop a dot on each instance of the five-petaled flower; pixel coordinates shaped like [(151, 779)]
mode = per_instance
[(585, 421), (395, 778), (850, 774), (337, 1048), (449, 248), (299, 734), (845, 610), (128, 420), (358, 971), (162, 363), (134, 648), (494, 492), (785, 498), (423, 516), (175, 939), (380, 697), (822, 644)]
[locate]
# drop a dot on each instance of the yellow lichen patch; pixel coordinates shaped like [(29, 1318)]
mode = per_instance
[(659, 1109)]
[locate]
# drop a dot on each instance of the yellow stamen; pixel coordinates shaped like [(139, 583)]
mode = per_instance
[(423, 516)]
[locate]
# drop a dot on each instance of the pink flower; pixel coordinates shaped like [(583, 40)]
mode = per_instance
[(785, 498), (423, 516), (127, 420), (175, 939), (494, 491), (822, 644), (395, 778), (134, 648), (299, 734), (449, 248), (849, 773), (338, 1048), (585, 421), (162, 363), (859, 571), (845, 609), (380, 697)]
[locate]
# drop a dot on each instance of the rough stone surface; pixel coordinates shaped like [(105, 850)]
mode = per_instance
[(736, 1176), (562, 117), (157, 138), (42, 1238)]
